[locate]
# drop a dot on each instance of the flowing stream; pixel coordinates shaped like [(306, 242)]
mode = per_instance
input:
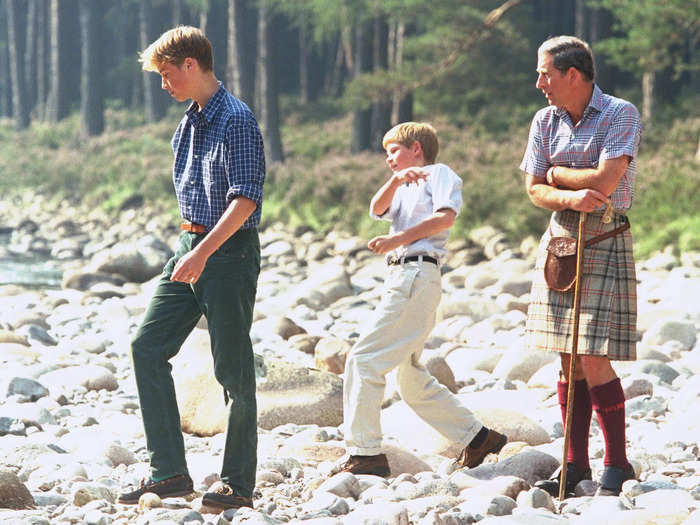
[(32, 271)]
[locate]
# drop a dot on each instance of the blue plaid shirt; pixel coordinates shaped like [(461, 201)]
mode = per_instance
[(218, 155), (609, 128)]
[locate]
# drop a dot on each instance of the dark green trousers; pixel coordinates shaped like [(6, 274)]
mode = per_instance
[(225, 295)]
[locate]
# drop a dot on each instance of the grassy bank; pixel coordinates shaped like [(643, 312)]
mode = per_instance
[(322, 186)]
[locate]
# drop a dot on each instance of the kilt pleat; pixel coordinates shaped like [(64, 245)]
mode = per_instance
[(608, 320)]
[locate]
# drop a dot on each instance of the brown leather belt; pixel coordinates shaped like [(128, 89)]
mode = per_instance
[(193, 227)]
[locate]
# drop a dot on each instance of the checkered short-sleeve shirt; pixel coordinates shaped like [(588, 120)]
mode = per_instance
[(610, 127), (218, 156)]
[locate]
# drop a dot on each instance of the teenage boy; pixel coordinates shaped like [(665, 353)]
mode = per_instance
[(218, 172), (581, 154), (421, 199)]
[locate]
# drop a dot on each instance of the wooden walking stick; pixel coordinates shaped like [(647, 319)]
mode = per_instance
[(574, 348)]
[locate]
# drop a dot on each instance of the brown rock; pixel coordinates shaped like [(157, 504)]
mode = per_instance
[(13, 493), (330, 354), (440, 370), (7, 336), (304, 342)]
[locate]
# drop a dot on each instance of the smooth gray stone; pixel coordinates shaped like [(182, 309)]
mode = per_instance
[(27, 387)]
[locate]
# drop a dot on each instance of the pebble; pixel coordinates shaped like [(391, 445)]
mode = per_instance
[(71, 437)]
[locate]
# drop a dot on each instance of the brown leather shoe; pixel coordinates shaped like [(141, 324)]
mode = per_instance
[(222, 496), (473, 456), (376, 465)]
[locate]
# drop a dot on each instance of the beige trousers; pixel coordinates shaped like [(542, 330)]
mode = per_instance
[(394, 339)]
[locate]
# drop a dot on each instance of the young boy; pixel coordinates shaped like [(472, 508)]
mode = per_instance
[(421, 199), (218, 172)]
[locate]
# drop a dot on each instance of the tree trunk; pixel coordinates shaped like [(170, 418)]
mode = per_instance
[(16, 25), (30, 53), (269, 103), (580, 19), (402, 107), (91, 96), (204, 16), (600, 29), (381, 110), (241, 51), (334, 81), (303, 64), (178, 15), (5, 91), (153, 100), (57, 105), (362, 118), (648, 80), (42, 62)]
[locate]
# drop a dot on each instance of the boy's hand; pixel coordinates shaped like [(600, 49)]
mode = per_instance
[(409, 175), (384, 244)]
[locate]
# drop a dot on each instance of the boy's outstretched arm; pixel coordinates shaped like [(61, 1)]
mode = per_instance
[(382, 199), (440, 220)]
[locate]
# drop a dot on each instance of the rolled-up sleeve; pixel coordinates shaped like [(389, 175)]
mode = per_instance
[(446, 189), (624, 134), (535, 161), (244, 161)]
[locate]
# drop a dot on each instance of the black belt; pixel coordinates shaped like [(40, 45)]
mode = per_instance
[(412, 258)]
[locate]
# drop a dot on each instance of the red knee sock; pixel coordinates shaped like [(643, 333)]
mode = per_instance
[(580, 421), (609, 403)]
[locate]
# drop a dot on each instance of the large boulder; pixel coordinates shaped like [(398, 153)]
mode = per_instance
[(400, 422), (326, 283), (92, 377), (137, 261), (530, 465), (286, 392)]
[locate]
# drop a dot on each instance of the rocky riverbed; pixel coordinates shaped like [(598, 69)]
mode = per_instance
[(71, 435)]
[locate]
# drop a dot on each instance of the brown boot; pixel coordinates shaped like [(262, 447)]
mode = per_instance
[(376, 465), (473, 456)]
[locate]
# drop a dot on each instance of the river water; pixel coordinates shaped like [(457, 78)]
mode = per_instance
[(32, 271)]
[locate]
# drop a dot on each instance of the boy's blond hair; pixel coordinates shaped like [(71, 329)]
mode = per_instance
[(407, 133), (175, 45)]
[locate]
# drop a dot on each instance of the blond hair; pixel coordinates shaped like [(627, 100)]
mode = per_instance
[(407, 133), (175, 45)]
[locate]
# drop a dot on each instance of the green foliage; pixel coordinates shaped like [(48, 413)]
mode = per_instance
[(323, 187), (653, 35)]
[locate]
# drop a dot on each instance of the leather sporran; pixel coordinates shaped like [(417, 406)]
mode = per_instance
[(560, 265)]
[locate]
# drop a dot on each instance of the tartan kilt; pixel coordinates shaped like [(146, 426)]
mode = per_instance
[(608, 321)]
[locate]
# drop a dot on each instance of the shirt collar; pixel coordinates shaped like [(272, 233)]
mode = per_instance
[(200, 118), (595, 104)]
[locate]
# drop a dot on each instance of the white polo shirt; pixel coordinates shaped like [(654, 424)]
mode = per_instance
[(413, 203)]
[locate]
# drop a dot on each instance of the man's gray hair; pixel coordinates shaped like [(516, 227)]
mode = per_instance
[(569, 51)]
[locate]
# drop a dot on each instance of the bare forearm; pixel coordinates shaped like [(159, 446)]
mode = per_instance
[(381, 201), (545, 196), (230, 222), (604, 178), (439, 221)]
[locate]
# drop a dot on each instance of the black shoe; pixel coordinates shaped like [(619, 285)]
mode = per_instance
[(222, 496), (573, 476), (612, 479), (471, 457), (180, 485)]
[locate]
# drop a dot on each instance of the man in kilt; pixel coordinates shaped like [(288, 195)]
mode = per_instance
[(581, 155)]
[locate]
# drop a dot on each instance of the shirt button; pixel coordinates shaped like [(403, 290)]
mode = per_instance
[(191, 182), (196, 156)]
